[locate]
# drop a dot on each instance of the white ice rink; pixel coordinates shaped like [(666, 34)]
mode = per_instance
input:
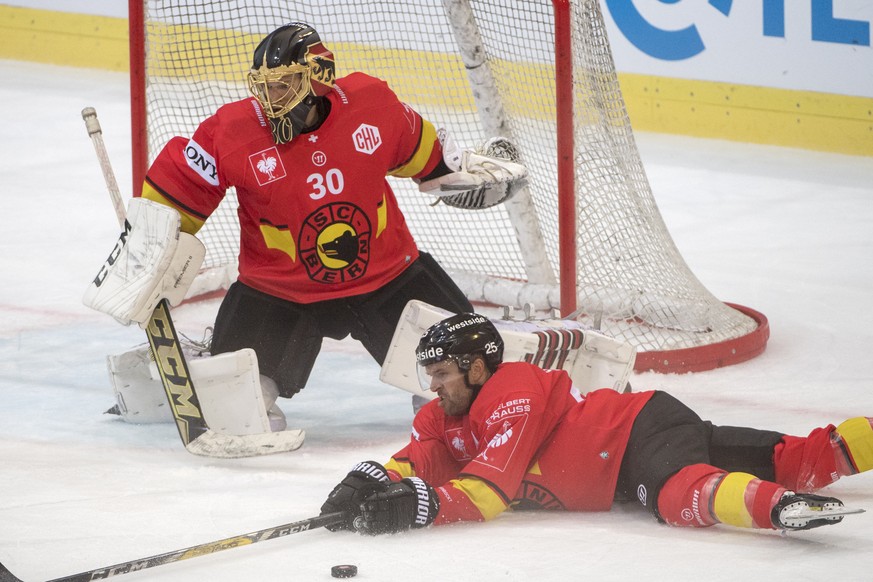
[(786, 232)]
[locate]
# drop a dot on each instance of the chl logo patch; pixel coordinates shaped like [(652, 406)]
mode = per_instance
[(367, 138), (335, 243), (267, 166)]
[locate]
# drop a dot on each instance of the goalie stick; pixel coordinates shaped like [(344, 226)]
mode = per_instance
[(197, 437), (194, 551)]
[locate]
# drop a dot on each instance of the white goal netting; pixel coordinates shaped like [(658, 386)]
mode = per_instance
[(478, 68)]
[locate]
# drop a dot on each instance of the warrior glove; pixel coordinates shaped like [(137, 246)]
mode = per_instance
[(363, 480), (407, 504)]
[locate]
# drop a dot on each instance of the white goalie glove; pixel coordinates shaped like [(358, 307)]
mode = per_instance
[(152, 260), (480, 179)]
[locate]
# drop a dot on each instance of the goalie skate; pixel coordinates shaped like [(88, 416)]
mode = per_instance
[(807, 511)]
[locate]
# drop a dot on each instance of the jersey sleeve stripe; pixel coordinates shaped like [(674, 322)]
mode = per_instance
[(491, 486), (151, 191), (482, 495), (400, 467), (422, 154)]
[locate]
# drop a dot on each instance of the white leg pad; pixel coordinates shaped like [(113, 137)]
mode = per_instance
[(139, 394), (592, 360), (229, 389), (234, 397)]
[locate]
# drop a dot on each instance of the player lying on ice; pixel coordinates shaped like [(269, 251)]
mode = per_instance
[(503, 435)]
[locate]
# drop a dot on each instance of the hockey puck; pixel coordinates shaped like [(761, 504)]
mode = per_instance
[(344, 571)]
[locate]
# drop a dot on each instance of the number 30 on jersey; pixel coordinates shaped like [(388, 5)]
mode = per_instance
[(331, 181)]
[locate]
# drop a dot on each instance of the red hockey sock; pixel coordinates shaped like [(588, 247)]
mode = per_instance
[(805, 464), (702, 495)]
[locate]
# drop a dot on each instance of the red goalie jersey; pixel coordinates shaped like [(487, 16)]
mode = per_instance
[(318, 218), (530, 439)]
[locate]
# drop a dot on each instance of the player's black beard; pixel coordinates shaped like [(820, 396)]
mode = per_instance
[(293, 123), (475, 388)]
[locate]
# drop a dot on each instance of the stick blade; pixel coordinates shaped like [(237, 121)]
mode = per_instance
[(223, 446)]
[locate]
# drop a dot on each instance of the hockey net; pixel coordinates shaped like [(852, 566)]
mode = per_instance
[(479, 69)]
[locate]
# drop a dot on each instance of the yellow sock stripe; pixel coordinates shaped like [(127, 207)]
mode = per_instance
[(730, 500), (857, 434)]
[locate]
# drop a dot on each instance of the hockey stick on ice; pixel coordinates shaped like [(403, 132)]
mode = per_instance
[(172, 367), (194, 551)]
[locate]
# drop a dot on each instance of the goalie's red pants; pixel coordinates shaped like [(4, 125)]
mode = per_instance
[(701, 495)]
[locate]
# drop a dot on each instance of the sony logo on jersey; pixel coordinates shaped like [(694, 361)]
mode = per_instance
[(201, 162), (429, 354)]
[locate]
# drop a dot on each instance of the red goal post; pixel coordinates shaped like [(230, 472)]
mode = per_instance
[(586, 237)]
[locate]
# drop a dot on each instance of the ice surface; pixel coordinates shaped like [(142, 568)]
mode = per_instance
[(786, 232)]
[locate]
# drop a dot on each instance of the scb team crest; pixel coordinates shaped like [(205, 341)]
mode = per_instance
[(335, 243)]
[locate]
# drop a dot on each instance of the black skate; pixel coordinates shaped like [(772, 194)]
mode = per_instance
[(800, 511)]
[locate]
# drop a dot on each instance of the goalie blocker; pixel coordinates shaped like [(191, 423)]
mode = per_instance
[(152, 260)]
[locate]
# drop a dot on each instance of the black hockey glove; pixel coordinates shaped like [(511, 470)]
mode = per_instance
[(363, 480), (407, 504)]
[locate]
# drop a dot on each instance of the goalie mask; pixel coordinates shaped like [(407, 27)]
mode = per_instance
[(291, 71), (458, 339)]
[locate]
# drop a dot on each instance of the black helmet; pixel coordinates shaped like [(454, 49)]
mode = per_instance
[(292, 49), (459, 336)]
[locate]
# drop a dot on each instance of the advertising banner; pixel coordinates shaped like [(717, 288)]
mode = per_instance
[(806, 45)]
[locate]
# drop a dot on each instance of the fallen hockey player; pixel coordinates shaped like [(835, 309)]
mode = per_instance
[(510, 434)]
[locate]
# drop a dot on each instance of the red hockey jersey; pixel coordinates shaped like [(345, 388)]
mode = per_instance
[(318, 218), (530, 440)]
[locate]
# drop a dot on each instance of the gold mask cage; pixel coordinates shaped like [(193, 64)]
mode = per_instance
[(280, 89)]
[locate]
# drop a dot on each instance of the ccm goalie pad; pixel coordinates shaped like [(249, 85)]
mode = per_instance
[(152, 260), (592, 360), (479, 179)]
